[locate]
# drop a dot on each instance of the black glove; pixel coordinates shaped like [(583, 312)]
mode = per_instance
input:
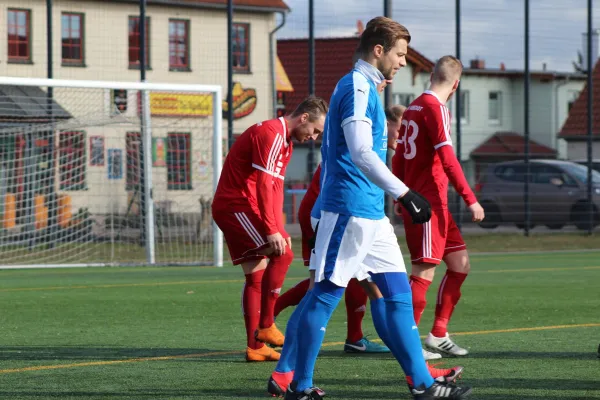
[(417, 206), (313, 239)]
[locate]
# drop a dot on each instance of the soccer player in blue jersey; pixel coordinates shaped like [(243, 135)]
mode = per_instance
[(353, 230)]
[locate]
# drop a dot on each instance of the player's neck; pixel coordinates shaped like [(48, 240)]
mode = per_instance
[(289, 125), (369, 69), (441, 92)]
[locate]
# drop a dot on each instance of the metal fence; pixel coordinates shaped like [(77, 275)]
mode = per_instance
[(525, 104)]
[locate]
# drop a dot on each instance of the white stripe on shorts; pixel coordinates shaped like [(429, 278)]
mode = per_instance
[(250, 229)]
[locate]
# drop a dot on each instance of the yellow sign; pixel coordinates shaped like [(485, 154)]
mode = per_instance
[(283, 83), (181, 105)]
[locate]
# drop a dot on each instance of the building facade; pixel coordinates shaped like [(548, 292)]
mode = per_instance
[(96, 144)]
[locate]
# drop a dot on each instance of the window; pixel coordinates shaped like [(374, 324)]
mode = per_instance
[(241, 46), (464, 106), (71, 160), (494, 106), (403, 98), (19, 35), (72, 38), (179, 53), (134, 42), (513, 173), (133, 144), (179, 161)]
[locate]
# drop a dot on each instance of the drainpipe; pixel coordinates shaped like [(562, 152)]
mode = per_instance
[(556, 106), (272, 51)]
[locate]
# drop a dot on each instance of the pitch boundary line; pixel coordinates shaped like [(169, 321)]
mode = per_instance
[(209, 281), (225, 353)]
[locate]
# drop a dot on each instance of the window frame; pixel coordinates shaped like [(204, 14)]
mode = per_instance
[(179, 185), (465, 103), (19, 59), (183, 67), (246, 69), (74, 62), (136, 65), (82, 184)]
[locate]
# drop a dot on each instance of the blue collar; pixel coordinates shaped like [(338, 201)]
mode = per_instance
[(369, 71)]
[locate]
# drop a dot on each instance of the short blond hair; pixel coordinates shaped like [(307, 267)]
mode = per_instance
[(447, 70), (394, 113)]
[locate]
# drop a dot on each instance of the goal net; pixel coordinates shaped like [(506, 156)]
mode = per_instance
[(108, 173)]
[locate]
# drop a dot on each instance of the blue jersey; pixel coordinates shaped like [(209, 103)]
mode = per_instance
[(344, 188)]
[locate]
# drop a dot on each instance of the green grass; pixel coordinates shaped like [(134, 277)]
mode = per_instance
[(177, 333)]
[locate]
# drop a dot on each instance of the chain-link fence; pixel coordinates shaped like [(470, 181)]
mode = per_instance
[(520, 128)]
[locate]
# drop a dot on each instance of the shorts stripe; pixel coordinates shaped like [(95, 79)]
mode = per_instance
[(335, 241), (245, 222)]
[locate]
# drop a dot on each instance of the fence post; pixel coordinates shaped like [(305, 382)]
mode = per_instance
[(590, 118), (526, 125)]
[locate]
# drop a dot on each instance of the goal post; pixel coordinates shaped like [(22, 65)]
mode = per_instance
[(99, 173)]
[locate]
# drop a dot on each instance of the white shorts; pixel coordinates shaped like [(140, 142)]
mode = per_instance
[(361, 274), (349, 246)]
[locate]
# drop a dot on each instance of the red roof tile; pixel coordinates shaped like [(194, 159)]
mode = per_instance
[(510, 143), (333, 59), (576, 126)]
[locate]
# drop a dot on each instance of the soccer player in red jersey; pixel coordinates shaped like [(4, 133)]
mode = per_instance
[(425, 162), (248, 208)]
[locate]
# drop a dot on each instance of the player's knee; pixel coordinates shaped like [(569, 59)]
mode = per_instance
[(287, 257)]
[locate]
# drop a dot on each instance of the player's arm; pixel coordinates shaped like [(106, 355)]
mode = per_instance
[(439, 129), (359, 138), (265, 155), (278, 199)]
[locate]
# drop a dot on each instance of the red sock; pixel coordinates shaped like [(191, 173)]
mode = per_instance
[(448, 296), (292, 297), (271, 286), (251, 306), (419, 288), (356, 302)]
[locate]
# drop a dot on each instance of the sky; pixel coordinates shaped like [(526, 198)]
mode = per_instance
[(492, 30)]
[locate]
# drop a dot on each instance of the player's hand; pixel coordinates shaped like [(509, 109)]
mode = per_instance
[(417, 206), (398, 209), (477, 212), (288, 240), (277, 243)]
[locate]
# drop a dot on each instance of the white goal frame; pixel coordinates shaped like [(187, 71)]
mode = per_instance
[(144, 88)]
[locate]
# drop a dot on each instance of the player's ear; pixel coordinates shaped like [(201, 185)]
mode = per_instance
[(455, 86), (304, 117), (378, 50)]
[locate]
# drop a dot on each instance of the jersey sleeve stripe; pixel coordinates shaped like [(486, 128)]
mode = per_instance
[(446, 143), (274, 153), (360, 98), (266, 171), (446, 120)]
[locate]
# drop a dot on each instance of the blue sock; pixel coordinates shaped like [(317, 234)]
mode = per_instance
[(402, 330), (311, 330), (287, 361), (379, 319)]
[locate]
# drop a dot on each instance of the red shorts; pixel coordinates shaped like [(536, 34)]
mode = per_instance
[(430, 242), (243, 232), (307, 234)]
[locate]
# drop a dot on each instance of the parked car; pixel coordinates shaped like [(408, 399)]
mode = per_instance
[(595, 163), (557, 194)]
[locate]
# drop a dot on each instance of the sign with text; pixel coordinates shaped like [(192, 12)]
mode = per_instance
[(181, 104)]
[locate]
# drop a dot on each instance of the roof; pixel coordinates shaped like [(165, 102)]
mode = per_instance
[(575, 127), (515, 73), (239, 5), (26, 103), (333, 59), (510, 144)]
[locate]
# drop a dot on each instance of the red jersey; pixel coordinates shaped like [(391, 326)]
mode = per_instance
[(253, 173), (310, 197), (424, 159)]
